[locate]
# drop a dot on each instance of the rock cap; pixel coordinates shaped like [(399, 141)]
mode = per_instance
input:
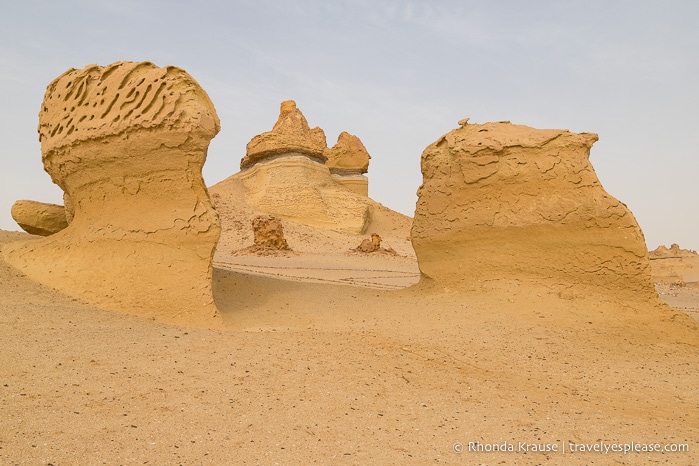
[(290, 134), (348, 155)]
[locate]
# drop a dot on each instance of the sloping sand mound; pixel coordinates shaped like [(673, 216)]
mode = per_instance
[(230, 199), (502, 201), (127, 143)]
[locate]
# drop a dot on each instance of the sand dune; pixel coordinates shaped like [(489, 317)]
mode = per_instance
[(310, 372)]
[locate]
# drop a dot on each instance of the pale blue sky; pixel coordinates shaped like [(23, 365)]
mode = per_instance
[(398, 74)]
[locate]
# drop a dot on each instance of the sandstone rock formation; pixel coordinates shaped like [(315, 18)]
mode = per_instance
[(39, 218), (348, 160), (126, 143), (661, 252), (504, 201), (284, 174), (269, 233), (675, 265), (290, 135), (370, 245)]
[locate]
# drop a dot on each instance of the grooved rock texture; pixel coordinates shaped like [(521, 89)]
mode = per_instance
[(126, 143), (348, 160), (290, 134), (284, 174), (39, 218), (504, 201)]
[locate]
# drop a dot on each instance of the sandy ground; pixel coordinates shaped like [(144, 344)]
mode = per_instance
[(325, 360)]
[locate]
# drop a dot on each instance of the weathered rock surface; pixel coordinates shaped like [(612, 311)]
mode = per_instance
[(296, 188), (126, 143), (284, 174), (290, 134), (373, 245), (269, 233), (370, 245), (504, 201), (348, 160), (39, 218)]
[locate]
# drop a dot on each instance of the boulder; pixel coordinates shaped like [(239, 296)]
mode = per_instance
[(39, 218), (126, 143), (503, 201), (269, 233), (370, 245)]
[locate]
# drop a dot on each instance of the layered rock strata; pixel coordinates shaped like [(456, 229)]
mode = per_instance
[(504, 201), (284, 174), (348, 161), (126, 143)]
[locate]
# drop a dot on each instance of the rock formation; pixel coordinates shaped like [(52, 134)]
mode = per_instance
[(39, 218), (504, 201), (269, 233), (348, 160), (674, 266), (370, 245), (290, 135), (284, 174), (126, 143), (661, 252)]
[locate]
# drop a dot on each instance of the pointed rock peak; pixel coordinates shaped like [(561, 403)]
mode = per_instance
[(291, 134), (291, 120)]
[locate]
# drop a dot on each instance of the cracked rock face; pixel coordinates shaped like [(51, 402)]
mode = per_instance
[(126, 143), (504, 201)]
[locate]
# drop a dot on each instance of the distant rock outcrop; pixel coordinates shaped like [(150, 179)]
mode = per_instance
[(39, 218), (290, 135), (126, 143), (661, 252), (370, 245), (348, 161), (674, 266), (284, 174), (504, 201)]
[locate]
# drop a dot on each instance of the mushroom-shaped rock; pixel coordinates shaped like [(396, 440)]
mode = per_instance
[(348, 160), (126, 143), (291, 134), (39, 218), (504, 201), (284, 174)]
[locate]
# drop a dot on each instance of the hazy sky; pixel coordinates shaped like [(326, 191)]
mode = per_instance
[(398, 74)]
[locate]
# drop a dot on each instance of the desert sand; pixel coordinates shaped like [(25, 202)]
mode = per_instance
[(519, 309), (311, 371)]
